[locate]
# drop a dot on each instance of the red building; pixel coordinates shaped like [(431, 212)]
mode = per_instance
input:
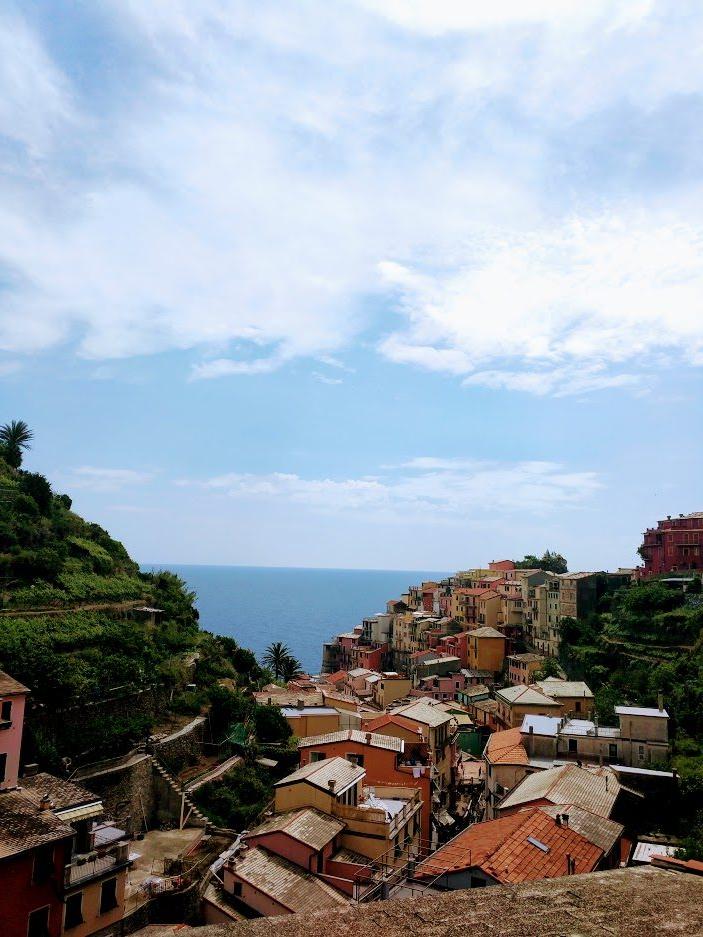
[(674, 545)]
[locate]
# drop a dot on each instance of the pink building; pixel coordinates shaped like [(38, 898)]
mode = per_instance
[(12, 702)]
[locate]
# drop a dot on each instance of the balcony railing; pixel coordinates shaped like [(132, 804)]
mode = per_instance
[(93, 865)]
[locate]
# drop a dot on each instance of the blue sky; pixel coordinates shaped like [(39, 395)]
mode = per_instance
[(369, 283)]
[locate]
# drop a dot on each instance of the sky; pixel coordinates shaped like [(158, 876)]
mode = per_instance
[(356, 283)]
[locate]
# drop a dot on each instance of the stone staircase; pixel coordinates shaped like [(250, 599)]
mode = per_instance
[(190, 813)]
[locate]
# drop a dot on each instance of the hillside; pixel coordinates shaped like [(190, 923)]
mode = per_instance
[(78, 626)]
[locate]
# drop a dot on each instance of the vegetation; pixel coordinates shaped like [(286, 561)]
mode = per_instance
[(280, 660), (15, 437), (647, 639), (550, 561)]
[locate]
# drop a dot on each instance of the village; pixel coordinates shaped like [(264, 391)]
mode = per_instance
[(441, 748)]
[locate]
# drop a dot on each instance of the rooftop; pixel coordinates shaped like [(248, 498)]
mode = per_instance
[(375, 740), (525, 846), (557, 688), (527, 658), (525, 696), (65, 796), (506, 748), (307, 825), (11, 687), (292, 711), (319, 773), (651, 712), (285, 882), (23, 826), (423, 711), (595, 790), (486, 632), (643, 902)]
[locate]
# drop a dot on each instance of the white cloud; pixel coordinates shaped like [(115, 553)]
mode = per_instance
[(261, 160), (94, 478), (560, 310), (326, 379), (448, 489)]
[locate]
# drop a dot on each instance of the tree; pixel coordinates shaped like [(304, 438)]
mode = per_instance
[(276, 657), (271, 725), (550, 561), (550, 668), (15, 436), (291, 668)]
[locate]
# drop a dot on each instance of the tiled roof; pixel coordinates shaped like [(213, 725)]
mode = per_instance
[(285, 882), (23, 826), (527, 658), (422, 711), (525, 696), (11, 687), (598, 830), (531, 846), (308, 825), (506, 748), (376, 740), (596, 790), (319, 773), (486, 632), (557, 688), (63, 794), (289, 699), (338, 677), (392, 719)]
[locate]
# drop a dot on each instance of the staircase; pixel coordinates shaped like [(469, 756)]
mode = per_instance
[(189, 813)]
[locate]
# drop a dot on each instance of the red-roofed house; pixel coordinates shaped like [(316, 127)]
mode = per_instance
[(506, 763)]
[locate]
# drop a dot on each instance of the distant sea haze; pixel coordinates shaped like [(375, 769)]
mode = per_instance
[(301, 607)]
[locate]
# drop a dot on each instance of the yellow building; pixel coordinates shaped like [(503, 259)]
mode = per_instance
[(391, 687), (575, 696), (311, 720), (516, 702), (486, 647)]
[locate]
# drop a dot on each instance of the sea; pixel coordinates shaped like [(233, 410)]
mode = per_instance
[(256, 605)]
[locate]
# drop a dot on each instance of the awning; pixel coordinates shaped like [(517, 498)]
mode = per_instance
[(83, 812)]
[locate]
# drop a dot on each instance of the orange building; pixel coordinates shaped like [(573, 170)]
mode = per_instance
[(383, 757), (486, 649)]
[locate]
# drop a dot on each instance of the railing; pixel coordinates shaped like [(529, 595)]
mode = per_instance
[(93, 865)]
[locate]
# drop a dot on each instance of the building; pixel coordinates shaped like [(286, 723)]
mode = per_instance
[(673, 546), (575, 696), (391, 687), (60, 870), (380, 821), (542, 842), (306, 713), (522, 667), (437, 728), (486, 647), (506, 763), (516, 702), (596, 790), (383, 757), (640, 739)]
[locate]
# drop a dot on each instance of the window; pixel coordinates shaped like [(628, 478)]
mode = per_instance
[(573, 746), (108, 895), (578, 706), (317, 756), (355, 759), (74, 910), (6, 711), (3, 767), (641, 752), (237, 889), (38, 923), (43, 864)]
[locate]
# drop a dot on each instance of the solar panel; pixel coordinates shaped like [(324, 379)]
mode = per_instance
[(537, 843)]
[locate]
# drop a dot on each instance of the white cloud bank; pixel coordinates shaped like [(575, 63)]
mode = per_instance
[(442, 488), (93, 478), (260, 161)]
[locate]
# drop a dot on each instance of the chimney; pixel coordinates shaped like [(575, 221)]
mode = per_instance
[(660, 701), (331, 784), (565, 819), (595, 724), (558, 819), (368, 738), (46, 803), (270, 701), (31, 770), (568, 864), (531, 740), (301, 703)]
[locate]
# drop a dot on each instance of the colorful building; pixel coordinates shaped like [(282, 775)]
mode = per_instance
[(674, 545)]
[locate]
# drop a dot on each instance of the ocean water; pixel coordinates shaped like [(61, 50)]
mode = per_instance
[(301, 607)]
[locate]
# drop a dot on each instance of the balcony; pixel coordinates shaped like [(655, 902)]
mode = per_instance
[(94, 865)]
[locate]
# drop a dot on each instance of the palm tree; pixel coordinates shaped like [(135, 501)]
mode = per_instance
[(291, 668), (275, 657), (14, 437)]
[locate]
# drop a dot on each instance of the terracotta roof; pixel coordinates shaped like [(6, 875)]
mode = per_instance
[(376, 740), (338, 677), (11, 687), (598, 830), (596, 790), (63, 794), (23, 826), (506, 748), (393, 719), (531, 846), (318, 773), (309, 826), (286, 883)]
